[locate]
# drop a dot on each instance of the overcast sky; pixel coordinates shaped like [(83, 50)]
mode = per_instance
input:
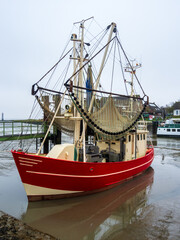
[(34, 32)]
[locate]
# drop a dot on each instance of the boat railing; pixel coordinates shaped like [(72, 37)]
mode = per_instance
[(175, 125)]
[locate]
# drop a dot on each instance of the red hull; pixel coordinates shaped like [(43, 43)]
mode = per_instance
[(74, 176)]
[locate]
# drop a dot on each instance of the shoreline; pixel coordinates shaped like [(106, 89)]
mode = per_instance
[(12, 228)]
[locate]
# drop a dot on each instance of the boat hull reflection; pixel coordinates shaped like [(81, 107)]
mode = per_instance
[(85, 216)]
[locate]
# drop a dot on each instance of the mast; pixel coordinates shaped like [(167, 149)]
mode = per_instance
[(75, 64), (132, 70), (81, 94), (77, 141), (81, 97)]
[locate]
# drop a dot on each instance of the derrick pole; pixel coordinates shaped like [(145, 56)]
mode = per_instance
[(113, 26), (76, 113), (81, 97)]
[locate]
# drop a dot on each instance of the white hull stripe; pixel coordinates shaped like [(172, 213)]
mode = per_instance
[(23, 161), (96, 176), (26, 164), (30, 159)]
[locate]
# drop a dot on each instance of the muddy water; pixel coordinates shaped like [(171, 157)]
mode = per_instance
[(147, 207)]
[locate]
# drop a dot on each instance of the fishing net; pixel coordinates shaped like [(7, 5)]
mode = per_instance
[(109, 115), (49, 103)]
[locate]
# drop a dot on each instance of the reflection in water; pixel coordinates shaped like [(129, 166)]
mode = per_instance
[(154, 142), (136, 209), (169, 150), (92, 217)]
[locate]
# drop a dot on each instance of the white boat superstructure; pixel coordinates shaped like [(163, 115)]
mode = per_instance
[(171, 128)]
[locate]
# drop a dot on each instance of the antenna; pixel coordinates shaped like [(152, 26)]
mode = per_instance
[(83, 21), (132, 69)]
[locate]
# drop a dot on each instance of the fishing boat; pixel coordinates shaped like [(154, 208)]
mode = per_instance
[(171, 128), (101, 109)]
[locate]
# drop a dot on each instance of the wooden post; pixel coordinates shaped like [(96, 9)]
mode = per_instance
[(57, 132), (46, 143)]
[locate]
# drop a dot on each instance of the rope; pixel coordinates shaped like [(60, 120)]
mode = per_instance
[(55, 65), (120, 61), (131, 66), (88, 62)]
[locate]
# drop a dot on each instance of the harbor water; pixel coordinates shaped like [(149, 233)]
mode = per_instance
[(147, 207)]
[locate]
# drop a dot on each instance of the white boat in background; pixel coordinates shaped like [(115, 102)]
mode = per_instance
[(171, 128)]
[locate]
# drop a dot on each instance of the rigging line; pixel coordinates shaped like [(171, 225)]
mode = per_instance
[(120, 61), (89, 26), (35, 103), (60, 78), (88, 61), (52, 75), (42, 127), (10, 144), (51, 123), (97, 24), (33, 139), (33, 107), (65, 75), (131, 67), (20, 134), (53, 66), (37, 114), (67, 67), (98, 42), (108, 56), (60, 57), (98, 36), (94, 72)]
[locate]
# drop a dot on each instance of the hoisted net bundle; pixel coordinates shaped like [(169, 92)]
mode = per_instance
[(49, 102), (111, 115)]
